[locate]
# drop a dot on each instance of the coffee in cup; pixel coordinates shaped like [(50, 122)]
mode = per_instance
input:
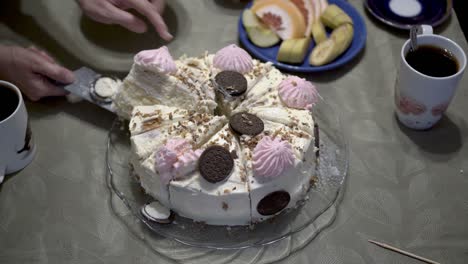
[(17, 148), (8, 102)]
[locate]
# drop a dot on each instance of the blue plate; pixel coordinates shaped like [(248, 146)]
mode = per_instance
[(405, 13), (269, 54)]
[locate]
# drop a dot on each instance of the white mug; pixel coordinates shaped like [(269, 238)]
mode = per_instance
[(17, 148), (421, 100)]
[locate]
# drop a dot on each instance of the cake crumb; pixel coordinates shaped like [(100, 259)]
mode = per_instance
[(313, 181), (227, 191), (225, 206)]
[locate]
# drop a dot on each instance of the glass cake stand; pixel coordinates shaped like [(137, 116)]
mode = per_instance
[(294, 227)]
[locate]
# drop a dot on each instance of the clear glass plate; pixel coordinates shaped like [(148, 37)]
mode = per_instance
[(320, 203)]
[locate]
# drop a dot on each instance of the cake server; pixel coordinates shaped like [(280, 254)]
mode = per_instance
[(84, 88)]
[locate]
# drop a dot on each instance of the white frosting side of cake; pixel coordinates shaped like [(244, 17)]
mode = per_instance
[(223, 203), (150, 180), (295, 180)]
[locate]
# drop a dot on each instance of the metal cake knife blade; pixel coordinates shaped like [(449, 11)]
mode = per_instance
[(83, 85)]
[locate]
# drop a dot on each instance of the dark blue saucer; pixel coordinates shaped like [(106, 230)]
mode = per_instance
[(431, 12)]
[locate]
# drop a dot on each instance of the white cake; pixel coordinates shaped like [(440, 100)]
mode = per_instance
[(262, 164)]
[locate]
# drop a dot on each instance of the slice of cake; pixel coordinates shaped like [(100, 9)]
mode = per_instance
[(242, 72), (258, 93), (195, 127), (155, 78), (279, 162), (208, 198), (295, 119)]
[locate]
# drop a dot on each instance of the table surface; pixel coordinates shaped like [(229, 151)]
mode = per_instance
[(406, 188)]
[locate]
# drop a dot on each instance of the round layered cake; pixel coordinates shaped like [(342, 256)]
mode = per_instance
[(221, 138)]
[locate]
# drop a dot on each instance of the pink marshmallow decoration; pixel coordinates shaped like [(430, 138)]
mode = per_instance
[(298, 93), (159, 60), (271, 157), (176, 159), (233, 58)]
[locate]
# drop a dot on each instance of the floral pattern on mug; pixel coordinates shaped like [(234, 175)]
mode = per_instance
[(439, 109), (408, 105)]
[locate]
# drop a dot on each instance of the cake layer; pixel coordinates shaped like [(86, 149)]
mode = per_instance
[(145, 118), (146, 84)]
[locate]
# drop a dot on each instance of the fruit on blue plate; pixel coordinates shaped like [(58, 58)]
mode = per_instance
[(293, 50), (318, 32), (257, 32), (333, 17), (330, 49)]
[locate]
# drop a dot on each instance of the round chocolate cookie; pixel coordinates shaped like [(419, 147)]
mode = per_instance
[(246, 124), (273, 203), (233, 83), (215, 164)]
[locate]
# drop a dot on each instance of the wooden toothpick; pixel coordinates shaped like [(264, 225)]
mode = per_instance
[(411, 255)]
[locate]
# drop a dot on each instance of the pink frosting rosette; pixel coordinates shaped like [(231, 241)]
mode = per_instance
[(176, 159), (159, 60), (233, 58), (271, 157), (298, 93)]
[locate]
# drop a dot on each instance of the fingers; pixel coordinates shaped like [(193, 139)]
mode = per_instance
[(40, 87), (125, 19), (159, 5), (52, 70), (41, 53), (147, 9)]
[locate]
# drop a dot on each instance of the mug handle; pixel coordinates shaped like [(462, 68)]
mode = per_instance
[(425, 30), (2, 173)]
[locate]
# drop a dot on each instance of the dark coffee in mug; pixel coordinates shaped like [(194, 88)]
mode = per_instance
[(433, 61), (9, 101)]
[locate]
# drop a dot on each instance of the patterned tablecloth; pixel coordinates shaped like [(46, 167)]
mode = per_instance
[(407, 188)]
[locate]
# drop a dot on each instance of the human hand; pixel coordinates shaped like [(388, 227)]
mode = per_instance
[(114, 12), (31, 70)]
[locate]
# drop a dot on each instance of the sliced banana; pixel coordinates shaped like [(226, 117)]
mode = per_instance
[(285, 50), (333, 17), (323, 53), (327, 51), (343, 36), (293, 50), (318, 32), (299, 51)]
